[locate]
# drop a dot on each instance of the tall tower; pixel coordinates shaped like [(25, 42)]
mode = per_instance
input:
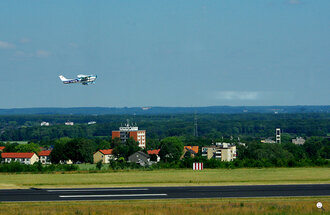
[(195, 126), (278, 135)]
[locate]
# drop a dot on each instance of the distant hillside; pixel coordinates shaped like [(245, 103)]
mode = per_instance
[(168, 110)]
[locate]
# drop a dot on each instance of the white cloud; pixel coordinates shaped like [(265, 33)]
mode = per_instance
[(42, 53), (6, 45), (237, 95)]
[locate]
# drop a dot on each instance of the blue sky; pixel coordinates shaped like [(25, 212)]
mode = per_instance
[(165, 53)]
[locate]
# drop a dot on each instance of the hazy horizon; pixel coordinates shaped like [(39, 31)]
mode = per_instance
[(233, 106)]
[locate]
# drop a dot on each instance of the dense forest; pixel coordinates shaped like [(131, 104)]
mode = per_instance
[(170, 133), (210, 126)]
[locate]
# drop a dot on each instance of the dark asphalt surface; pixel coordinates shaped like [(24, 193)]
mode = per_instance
[(164, 192)]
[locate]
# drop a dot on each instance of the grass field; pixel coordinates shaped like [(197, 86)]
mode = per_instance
[(88, 166), (168, 177), (295, 205)]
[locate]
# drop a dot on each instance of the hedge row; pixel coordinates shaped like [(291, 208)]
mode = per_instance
[(36, 167)]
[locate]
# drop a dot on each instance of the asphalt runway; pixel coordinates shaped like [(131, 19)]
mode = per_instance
[(34, 194)]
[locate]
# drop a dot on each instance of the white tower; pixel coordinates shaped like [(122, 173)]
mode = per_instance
[(278, 135)]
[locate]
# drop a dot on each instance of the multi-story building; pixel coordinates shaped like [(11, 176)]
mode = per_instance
[(131, 131), (22, 157), (222, 151)]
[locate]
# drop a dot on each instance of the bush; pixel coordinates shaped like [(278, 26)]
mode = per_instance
[(36, 167), (99, 165)]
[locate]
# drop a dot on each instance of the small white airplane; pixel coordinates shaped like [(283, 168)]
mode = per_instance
[(83, 79)]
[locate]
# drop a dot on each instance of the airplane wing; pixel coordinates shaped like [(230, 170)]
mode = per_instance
[(82, 76)]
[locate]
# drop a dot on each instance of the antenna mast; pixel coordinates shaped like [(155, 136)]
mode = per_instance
[(196, 126)]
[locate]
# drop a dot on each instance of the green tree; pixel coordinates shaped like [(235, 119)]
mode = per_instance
[(58, 154), (99, 165), (125, 149), (10, 147), (103, 144), (80, 150), (296, 150), (153, 157), (325, 151), (171, 149), (313, 147), (30, 147)]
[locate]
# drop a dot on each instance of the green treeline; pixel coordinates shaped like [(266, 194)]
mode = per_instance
[(170, 133), (80, 150), (27, 127), (315, 152)]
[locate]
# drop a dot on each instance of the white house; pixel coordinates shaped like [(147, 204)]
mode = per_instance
[(44, 156), (298, 141), (105, 155), (44, 124), (22, 157), (154, 152)]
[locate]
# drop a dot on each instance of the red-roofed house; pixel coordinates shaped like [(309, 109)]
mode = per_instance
[(192, 149), (44, 156), (103, 154), (22, 157), (2, 148), (154, 152)]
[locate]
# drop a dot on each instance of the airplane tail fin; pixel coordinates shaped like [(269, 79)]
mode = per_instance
[(63, 78)]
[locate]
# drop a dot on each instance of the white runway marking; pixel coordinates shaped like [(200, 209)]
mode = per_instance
[(116, 195), (97, 190)]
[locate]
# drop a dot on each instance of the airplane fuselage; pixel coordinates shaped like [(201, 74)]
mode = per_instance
[(83, 79)]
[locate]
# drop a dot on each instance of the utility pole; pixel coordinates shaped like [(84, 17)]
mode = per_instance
[(196, 126)]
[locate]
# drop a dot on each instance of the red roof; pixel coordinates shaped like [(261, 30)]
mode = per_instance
[(2, 148), (193, 148), (153, 152), (106, 151), (45, 153), (17, 154)]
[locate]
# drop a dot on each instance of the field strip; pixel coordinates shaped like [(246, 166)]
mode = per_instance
[(98, 190), (117, 195)]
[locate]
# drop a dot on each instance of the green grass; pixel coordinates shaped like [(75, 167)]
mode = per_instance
[(168, 177), (88, 167), (297, 205)]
